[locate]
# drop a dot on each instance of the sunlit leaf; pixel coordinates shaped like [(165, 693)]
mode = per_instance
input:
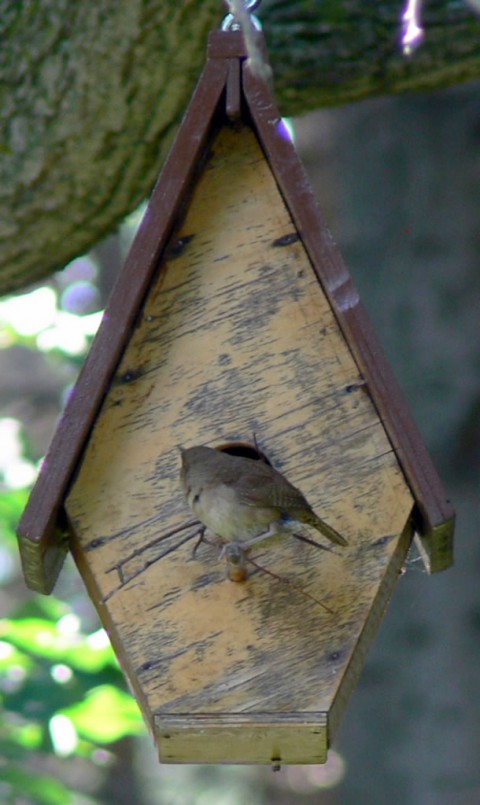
[(36, 635), (31, 312), (42, 638), (106, 714), (12, 503)]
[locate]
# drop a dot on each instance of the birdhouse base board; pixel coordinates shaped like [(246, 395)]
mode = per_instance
[(263, 739)]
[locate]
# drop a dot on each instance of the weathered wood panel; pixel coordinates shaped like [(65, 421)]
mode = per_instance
[(236, 337)]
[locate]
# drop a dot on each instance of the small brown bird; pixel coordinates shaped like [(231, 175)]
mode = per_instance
[(244, 500)]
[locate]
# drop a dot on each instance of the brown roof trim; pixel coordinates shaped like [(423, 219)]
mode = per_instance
[(435, 509), (42, 545)]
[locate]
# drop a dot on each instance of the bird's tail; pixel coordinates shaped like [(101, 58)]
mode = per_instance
[(310, 518)]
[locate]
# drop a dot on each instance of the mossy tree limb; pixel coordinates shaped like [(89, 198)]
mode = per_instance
[(91, 94)]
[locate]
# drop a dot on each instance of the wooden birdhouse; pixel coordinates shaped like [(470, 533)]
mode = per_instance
[(235, 315)]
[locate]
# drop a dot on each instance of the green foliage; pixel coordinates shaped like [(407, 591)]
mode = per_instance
[(12, 503), (50, 668), (62, 694), (105, 715), (41, 638), (38, 788)]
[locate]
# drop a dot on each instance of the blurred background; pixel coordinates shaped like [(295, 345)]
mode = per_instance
[(399, 183)]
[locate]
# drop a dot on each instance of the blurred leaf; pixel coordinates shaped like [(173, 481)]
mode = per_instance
[(27, 786), (9, 750), (12, 504), (18, 739), (41, 638), (41, 606), (107, 714), (12, 658)]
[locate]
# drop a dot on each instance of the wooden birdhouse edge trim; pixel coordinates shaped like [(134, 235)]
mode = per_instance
[(227, 45), (37, 527), (437, 552), (108, 622), (41, 571), (370, 629), (430, 495), (185, 720)]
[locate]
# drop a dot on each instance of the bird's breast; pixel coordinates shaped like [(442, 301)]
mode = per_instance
[(221, 511)]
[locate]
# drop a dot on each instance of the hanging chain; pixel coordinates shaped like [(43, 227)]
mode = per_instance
[(242, 19), (241, 15)]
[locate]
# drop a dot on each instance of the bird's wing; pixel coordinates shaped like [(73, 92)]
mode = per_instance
[(272, 490)]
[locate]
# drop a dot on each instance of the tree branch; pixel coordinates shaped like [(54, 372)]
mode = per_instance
[(91, 94)]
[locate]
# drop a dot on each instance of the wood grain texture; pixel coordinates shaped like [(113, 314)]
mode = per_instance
[(237, 337)]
